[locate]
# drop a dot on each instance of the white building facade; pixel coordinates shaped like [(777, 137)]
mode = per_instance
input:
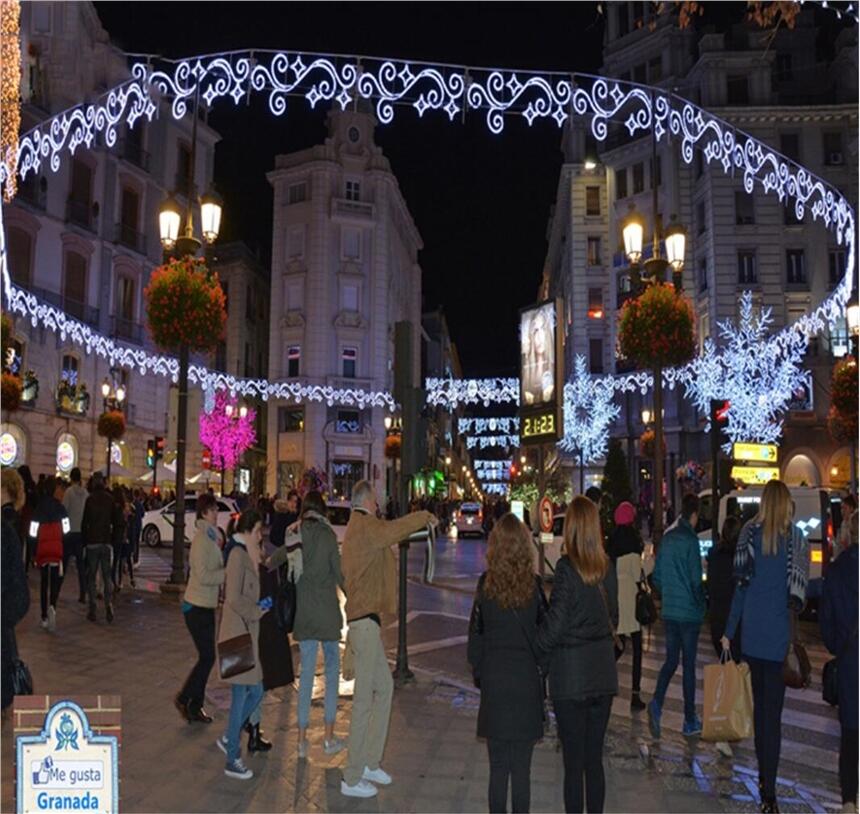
[(86, 239), (344, 271), (800, 103)]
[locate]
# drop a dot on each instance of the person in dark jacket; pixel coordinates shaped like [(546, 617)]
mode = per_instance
[(25, 513), (578, 633), (15, 596), (771, 572), (838, 620), (285, 514), (98, 528), (509, 604), (678, 578), (122, 547), (49, 525), (12, 498)]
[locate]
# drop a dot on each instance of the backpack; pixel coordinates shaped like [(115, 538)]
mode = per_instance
[(49, 542)]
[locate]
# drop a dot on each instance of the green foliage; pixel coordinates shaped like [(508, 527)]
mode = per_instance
[(616, 483)]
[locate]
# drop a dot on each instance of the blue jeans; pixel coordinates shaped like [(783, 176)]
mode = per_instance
[(681, 640), (331, 654), (245, 699)]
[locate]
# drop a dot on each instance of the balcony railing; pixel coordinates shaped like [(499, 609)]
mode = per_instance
[(80, 213), (127, 236), (127, 329), (132, 152), (352, 209), (79, 310)]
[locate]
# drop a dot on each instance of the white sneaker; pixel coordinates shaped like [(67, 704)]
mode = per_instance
[(333, 746), (44, 624), (238, 770), (303, 749), (52, 618), (222, 743), (360, 789), (724, 748), (378, 776)]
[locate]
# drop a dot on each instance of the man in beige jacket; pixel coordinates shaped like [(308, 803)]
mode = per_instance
[(370, 572)]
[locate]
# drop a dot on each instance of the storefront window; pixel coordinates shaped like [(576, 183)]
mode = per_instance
[(344, 475)]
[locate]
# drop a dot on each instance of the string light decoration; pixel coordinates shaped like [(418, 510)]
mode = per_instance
[(452, 90), (505, 424), (757, 373), (10, 93), (495, 488), (482, 463), (484, 441), (588, 413)]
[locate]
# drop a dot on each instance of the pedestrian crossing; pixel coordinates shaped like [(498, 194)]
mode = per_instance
[(151, 571)]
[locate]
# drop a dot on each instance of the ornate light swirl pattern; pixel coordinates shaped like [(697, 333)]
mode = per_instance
[(505, 424), (453, 393), (484, 441)]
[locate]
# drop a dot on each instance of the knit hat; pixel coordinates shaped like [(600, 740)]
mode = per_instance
[(625, 514)]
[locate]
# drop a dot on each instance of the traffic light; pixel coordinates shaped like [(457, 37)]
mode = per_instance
[(150, 453), (720, 411), (159, 448)]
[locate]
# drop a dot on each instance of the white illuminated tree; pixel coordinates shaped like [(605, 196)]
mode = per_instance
[(758, 373), (588, 413)]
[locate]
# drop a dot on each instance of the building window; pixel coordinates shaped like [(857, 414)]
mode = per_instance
[(835, 266), (349, 297), (747, 272), (80, 194), (349, 357), (703, 274), (640, 74), (129, 207), (347, 421), (595, 302), (744, 208), (701, 222), (795, 267), (295, 242), (833, 148), (183, 166), (294, 356), (592, 200), (593, 251), (344, 475), (621, 183), (75, 285), (296, 193), (700, 163), (623, 20), (595, 355), (638, 178), (20, 255), (789, 145), (656, 175), (295, 295), (69, 369), (737, 90), (789, 215), (291, 419), (125, 290), (655, 70), (353, 190), (350, 243), (221, 356), (704, 330), (248, 371)]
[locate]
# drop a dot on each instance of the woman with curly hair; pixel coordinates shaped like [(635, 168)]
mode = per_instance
[(579, 632), (509, 604)]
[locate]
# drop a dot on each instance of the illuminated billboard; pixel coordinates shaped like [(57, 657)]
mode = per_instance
[(541, 359)]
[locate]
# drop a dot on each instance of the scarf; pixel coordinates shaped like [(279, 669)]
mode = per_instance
[(797, 569)]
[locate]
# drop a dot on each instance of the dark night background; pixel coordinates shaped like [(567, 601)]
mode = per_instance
[(481, 202)]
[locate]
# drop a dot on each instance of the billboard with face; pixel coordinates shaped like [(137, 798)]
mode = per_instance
[(537, 355)]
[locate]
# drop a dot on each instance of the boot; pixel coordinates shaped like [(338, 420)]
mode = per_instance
[(256, 741), (636, 703)]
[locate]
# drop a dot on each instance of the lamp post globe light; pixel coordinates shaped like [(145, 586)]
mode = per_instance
[(112, 399), (179, 242)]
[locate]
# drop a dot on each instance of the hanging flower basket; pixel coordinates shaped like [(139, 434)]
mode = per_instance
[(392, 446), (313, 480), (6, 330), (185, 305), (10, 395), (111, 424), (656, 328), (843, 428), (646, 444), (690, 476), (843, 386)]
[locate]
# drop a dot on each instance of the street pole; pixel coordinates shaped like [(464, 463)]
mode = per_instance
[(177, 574), (402, 674), (541, 490), (107, 468), (715, 474), (658, 455), (581, 471)]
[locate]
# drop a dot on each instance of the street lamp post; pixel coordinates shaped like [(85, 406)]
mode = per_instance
[(112, 399), (185, 245)]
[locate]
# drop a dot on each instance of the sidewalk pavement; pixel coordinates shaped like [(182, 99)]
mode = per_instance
[(437, 763)]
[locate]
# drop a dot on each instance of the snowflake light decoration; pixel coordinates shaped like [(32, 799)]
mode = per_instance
[(759, 374), (588, 413), (504, 424), (484, 441)]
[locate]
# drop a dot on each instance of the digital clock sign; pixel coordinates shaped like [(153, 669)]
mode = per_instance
[(541, 375)]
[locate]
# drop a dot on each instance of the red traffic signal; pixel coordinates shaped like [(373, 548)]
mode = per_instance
[(720, 410), (207, 459), (159, 448)]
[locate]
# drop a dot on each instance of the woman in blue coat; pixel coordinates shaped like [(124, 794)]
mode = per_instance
[(838, 619)]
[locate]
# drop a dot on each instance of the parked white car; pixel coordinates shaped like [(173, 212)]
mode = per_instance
[(158, 523)]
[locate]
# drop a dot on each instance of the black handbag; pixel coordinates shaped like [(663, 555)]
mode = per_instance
[(646, 610), (830, 674), (796, 667), (22, 680), (236, 655), (285, 604)]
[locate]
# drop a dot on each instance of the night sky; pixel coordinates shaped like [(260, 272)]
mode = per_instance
[(481, 202)]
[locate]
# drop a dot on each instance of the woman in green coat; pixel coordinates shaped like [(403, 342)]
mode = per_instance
[(318, 616)]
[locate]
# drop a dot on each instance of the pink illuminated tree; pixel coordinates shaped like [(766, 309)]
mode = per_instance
[(225, 432)]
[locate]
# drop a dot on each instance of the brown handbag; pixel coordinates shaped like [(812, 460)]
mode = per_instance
[(796, 667), (236, 655)]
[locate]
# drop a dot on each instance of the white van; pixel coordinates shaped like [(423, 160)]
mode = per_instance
[(469, 519), (813, 515)]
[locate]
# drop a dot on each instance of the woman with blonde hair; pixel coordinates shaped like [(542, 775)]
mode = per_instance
[(13, 496), (509, 604), (579, 634), (771, 570)]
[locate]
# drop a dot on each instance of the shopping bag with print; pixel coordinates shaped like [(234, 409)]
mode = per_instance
[(728, 709)]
